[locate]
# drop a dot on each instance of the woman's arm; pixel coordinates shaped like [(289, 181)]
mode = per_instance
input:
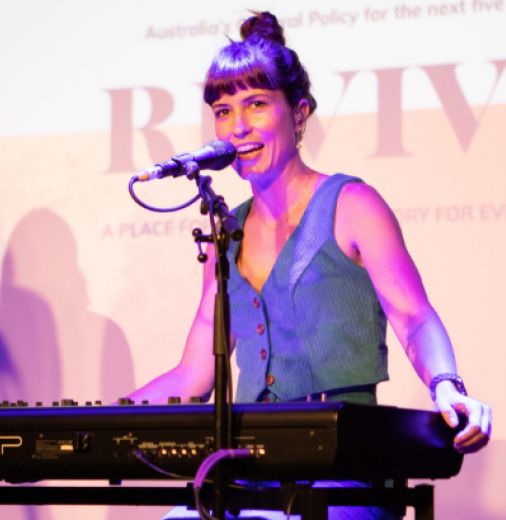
[(368, 232), (194, 375)]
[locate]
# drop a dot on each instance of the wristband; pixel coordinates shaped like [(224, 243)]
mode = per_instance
[(454, 378)]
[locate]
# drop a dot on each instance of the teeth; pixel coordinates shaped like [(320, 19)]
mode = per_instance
[(245, 148)]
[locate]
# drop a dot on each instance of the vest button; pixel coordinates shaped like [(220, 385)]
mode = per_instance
[(269, 380), (260, 328), (256, 303), (263, 354)]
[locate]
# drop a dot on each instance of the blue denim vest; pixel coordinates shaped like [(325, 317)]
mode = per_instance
[(317, 324)]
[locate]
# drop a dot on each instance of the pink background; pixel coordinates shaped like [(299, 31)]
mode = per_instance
[(97, 295)]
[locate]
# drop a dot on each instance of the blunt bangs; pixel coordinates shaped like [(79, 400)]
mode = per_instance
[(239, 67)]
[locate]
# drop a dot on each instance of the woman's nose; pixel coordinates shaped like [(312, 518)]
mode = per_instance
[(242, 126)]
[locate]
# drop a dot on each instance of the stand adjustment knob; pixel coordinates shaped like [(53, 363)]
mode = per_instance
[(204, 207)]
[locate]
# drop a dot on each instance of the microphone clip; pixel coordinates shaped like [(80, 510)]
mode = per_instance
[(192, 170)]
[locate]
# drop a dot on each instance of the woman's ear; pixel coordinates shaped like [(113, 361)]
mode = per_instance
[(301, 114)]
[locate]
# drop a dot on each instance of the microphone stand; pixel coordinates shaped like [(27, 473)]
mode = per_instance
[(228, 229)]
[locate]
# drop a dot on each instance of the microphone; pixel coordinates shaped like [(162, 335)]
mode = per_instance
[(214, 155)]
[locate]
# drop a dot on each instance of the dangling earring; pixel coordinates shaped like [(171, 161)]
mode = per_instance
[(300, 133)]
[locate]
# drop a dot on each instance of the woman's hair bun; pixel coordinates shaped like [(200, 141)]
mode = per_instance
[(261, 61), (263, 25)]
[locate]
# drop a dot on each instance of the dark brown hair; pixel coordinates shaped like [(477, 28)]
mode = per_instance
[(261, 60)]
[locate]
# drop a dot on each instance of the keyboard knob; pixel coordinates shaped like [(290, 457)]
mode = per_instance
[(174, 400), (81, 442), (67, 402), (195, 399)]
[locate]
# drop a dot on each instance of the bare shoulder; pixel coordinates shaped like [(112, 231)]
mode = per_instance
[(363, 198), (363, 218), (360, 204)]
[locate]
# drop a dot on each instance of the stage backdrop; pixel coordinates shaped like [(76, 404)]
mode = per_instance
[(97, 295)]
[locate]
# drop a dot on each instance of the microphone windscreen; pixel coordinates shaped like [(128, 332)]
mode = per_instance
[(224, 154)]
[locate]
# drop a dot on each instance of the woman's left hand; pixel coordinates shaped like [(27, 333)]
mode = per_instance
[(477, 432)]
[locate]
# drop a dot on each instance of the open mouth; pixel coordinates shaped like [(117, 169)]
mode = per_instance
[(248, 150)]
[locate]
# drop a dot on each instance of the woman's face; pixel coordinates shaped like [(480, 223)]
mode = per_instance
[(261, 125)]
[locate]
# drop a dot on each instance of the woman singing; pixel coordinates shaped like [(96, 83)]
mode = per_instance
[(321, 268)]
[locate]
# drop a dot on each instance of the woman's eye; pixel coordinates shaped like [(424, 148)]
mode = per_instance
[(221, 113), (258, 104)]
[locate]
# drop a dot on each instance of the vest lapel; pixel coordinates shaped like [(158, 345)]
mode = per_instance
[(316, 227)]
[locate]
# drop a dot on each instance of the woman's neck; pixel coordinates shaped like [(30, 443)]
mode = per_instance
[(275, 197)]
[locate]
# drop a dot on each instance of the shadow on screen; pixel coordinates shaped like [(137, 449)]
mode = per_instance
[(50, 342)]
